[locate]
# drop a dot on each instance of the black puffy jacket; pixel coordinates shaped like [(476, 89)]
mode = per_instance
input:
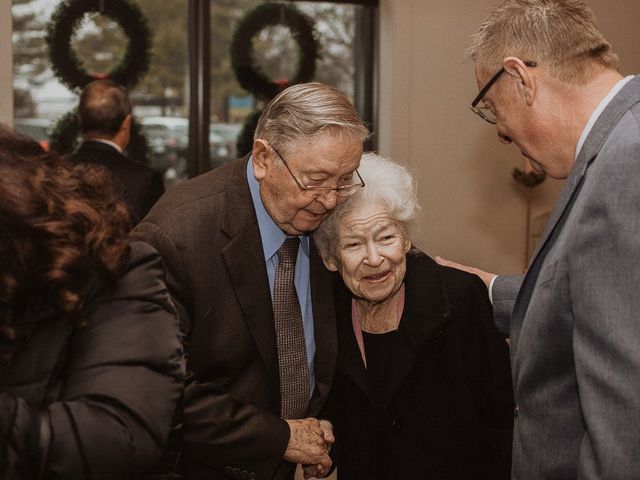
[(97, 400)]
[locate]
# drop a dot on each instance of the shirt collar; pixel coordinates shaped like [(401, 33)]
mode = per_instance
[(596, 113), (106, 142), (271, 235)]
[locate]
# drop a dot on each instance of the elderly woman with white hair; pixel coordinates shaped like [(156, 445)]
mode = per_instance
[(422, 387)]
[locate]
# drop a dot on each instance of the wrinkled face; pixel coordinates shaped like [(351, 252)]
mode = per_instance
[(370, 253), (526, 123), (323, 160)]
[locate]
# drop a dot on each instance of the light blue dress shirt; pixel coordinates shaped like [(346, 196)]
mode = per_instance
[(272, 238)]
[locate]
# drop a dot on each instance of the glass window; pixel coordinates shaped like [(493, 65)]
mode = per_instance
[(159, 99), (276, 54), (37, 99)]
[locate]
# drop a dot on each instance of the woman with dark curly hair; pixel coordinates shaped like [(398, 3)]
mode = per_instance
[(91, 363)]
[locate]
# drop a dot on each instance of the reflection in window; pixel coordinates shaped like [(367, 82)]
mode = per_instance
[(161, 98), (100, 43), (276, 54)]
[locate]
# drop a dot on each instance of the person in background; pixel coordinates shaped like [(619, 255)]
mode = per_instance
[(422, 386), (550, 83), (91, 363), (252, 295), (104, 115)]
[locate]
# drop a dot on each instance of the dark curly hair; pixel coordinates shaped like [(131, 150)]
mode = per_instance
[(61, 227)]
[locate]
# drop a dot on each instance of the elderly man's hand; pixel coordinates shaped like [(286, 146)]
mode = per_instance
[(307, 444), (486, 277)]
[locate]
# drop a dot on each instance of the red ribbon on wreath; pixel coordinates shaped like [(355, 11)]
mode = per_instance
[(281, 83)]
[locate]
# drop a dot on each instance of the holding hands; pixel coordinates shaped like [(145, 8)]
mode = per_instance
[(309, 445)]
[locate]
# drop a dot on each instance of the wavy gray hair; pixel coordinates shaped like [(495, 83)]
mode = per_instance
[(386, 182), (306, 110)]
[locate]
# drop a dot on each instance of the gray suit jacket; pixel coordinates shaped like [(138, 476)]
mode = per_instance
[(574, 318)]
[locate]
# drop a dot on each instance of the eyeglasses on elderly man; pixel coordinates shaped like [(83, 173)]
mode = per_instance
[(486, 113), (347, 186)]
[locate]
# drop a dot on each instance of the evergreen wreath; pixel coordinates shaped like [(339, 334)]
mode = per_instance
[(250, 76), (244, 144), (66, 19), (64, 137), (134, 64)]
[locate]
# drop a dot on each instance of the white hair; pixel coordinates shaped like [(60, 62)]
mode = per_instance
[(386, 182)]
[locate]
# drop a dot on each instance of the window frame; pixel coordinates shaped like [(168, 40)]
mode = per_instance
[(198, 19)]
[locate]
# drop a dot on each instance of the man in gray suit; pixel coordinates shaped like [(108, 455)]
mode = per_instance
[(550, 83)]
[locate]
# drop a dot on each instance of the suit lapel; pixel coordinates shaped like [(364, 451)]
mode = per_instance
[(324, 328), (427, 311), (606, 122), (244, 258), (350, 362)]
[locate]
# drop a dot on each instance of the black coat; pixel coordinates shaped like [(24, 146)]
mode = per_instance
[(139, 186), (97, 401), (448, 410)]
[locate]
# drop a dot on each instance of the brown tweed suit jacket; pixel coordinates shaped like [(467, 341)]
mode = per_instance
[(207, 233)]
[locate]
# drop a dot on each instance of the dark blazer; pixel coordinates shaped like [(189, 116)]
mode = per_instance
[(140, 186), (573, 318), (207, 232), (448, 412), (97, 401)]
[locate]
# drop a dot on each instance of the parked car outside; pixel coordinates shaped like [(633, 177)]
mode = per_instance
[(222, 141), (168, 139)]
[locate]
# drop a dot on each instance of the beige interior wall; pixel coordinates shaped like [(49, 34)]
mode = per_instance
[(472, 210), (6, 72)]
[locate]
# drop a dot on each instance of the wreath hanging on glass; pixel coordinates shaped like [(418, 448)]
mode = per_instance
[(134, 64), (64, 23), (248, 74)]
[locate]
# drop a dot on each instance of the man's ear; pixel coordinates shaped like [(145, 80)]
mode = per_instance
[(126, 123), (261, 156), (526, 78), (330, 264)]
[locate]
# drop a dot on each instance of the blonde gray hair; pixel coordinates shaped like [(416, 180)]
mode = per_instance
[(386, 182), (560, 35), (307, 110)]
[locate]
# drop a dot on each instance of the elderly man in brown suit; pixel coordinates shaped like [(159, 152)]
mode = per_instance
[(261, 349)]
